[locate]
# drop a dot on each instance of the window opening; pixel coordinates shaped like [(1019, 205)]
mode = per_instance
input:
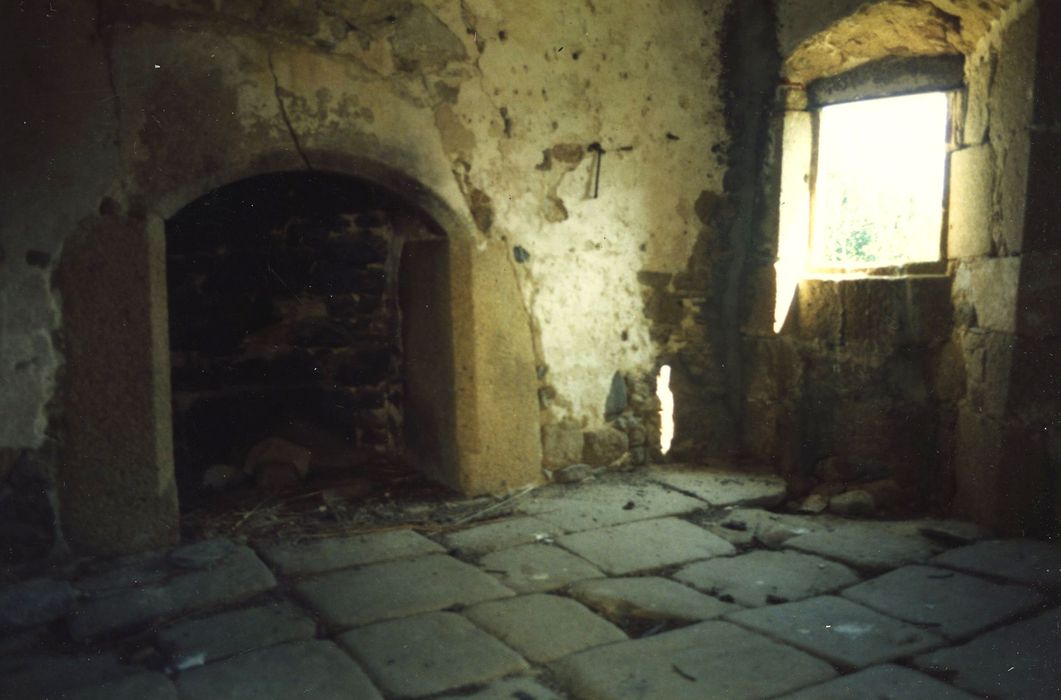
[(878, 197)]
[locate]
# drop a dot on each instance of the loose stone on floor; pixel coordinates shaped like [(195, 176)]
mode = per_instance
[(707, 661), (309, 669), (836, 629), (1017, 662), (320, 555), (207, 639), (536, 568), (396, 589), (1024, 561), (950, 603), (429, 654), (602, 504), (765, 577), (543, 627), (648, 598), (887, 682)]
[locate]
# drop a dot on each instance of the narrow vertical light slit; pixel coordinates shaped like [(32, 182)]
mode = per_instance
[(666, 409)]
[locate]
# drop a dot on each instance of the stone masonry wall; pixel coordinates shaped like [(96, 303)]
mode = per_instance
[(581, 136)]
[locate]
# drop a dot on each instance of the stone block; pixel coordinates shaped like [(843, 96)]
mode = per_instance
[(846, 634), (873, 310), (1043, 210), (949, 603), (708, 661), (535, 568), (48, 675), (868, 547), (820, 311), (765, 578), (646, 545), (723, 488), (543, 628), (34, 602), (229, 633), (598, 504), (238, 576), (857, 503), (1028, 562), (969, 213), (511, 689), (142, 686), (884, 682), (561, 445), (319, 555), (1038, 313), (1012, 187), (603, 446), (1008, 663), (396, 589), (311, 669), (510, 532), (648, 598), (993, 292), (429, 654)]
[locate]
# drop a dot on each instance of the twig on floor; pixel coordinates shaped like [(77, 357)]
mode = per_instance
[(497, 505)]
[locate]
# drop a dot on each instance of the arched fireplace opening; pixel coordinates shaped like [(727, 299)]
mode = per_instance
[(285, 295)]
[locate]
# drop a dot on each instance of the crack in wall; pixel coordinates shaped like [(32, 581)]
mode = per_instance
[(284, 115)]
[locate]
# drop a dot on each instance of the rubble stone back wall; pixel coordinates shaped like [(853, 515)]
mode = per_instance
[(283, 320)]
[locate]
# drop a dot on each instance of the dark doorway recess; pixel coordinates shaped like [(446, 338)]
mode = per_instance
[(285, 325)]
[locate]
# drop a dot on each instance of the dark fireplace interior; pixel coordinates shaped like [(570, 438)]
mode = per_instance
[(285, 333)]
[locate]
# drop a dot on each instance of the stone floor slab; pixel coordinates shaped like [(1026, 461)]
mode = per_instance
[(429, 654), (46, 675), (765, 577), (1017, 662), (319, 555), (645, 545), (536, 568), (310, 669), (723, 488), (483, 539), (238, 576), (226, 634), (599, 504), (838, 630), (35, 602), (648, 598), (867, 547), (544, 627), (511, 689), (1031, 562), (952, 604), (887, 682), (396, 589), (748, 526), (142, 686), (707, 661)]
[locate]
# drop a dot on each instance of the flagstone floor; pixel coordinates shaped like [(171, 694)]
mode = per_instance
[(663, 584)]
